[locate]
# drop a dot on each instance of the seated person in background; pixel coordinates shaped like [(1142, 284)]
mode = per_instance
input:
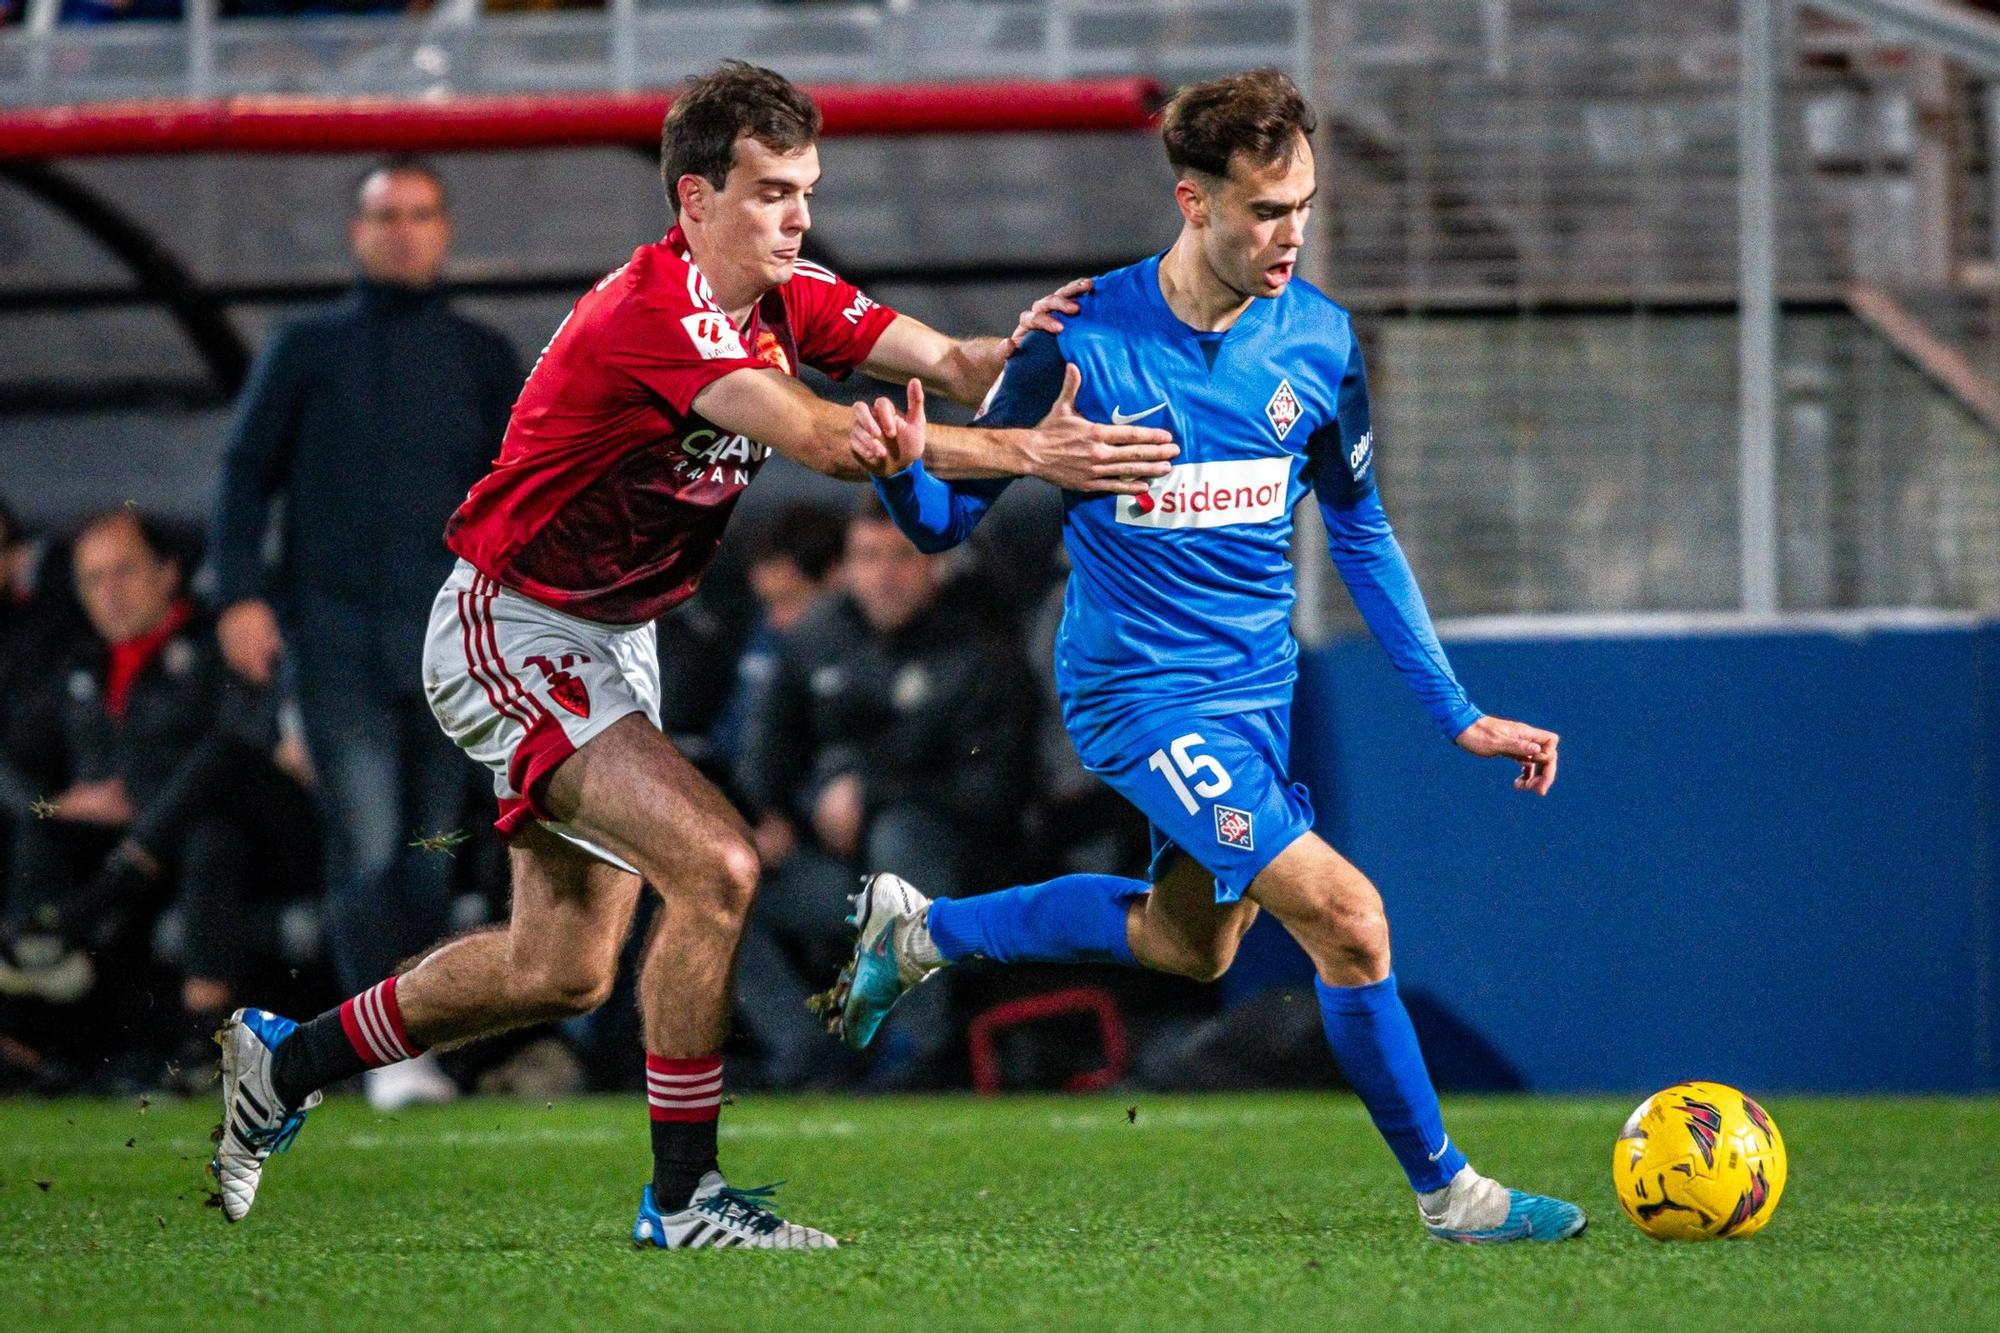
[(896, 733), (793, 565), (142, 765)]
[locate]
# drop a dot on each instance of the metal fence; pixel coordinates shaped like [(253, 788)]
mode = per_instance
[(1648, 302), (627, 44)]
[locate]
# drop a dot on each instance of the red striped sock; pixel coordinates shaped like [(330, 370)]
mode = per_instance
[(373, 1022), (688, 1091)]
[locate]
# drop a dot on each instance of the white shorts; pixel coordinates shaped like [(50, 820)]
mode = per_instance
[(521, 687)]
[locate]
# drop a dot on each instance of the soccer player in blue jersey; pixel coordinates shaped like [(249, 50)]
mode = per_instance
[(1176, 661)]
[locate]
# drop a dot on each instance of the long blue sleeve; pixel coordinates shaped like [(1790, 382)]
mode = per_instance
[(935, 515), (1371, 564)]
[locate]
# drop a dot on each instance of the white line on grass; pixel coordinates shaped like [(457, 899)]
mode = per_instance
[(954, 1120)]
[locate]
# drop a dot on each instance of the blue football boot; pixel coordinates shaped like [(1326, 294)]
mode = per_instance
[(255, 1123), (888, 920), (1476, 1210)]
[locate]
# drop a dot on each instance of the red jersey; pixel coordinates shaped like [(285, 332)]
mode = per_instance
[(611, 493)]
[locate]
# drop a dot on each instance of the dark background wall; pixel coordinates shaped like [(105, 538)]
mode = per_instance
[(1770, 858)]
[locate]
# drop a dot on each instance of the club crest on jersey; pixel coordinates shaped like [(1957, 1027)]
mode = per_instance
[(712, 335), (1232, 828), (1283, 409), (772, 352)]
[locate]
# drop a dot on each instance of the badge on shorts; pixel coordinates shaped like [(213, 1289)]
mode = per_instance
[(1232, 828), (564, 688)]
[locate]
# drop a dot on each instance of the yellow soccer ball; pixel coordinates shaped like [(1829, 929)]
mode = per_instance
[(1699, 1161)]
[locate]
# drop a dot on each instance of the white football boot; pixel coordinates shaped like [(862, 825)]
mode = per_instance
[(893, 953), (720, 1217), (255, 1123)]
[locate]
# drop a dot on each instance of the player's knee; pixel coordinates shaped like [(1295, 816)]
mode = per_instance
[(1347, 934), (737, 870), (1197, 960), (725, 881), (1208, 965), (569, 992), (1360, 940)]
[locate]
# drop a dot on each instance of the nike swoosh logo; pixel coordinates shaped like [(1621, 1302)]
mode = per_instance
[(1121, 419), (1441, 1149)]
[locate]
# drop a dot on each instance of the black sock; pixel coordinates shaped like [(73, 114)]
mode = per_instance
[(685, 1097), (683, 1152), (366, 1032), (317, 1054)]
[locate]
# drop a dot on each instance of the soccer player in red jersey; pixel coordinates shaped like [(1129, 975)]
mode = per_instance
[(651, 409)]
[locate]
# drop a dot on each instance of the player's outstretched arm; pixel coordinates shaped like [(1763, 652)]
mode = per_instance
[(935, 515), (774, 409), (1064, 447), (963, 369)]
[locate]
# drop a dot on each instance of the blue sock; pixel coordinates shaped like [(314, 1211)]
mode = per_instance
[(1071, 919), (1370, 1032)]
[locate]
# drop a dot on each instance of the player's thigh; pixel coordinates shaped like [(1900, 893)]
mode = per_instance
[(632, 792), (571, 910), (1322, 898), (1182, 928)]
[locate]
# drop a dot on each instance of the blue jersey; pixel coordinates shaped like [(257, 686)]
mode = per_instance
[(1179, 600)]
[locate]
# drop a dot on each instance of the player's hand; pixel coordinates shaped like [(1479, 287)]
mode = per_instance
[(1082, 455), (1041, 317), (1531, 747), (885, 441), (248, 632)]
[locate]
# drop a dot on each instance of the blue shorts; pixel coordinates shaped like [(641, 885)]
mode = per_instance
[(1216, 789)]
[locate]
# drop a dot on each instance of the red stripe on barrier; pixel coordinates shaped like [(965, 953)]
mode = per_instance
[(356, 125)]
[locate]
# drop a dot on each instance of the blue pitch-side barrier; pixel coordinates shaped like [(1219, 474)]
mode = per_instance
[(1770, 857)]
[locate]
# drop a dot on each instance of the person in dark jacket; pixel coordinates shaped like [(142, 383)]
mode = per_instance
[(142, 763), (370, 421), (896, 733)]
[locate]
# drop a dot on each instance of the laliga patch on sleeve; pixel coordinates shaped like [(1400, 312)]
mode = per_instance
[(1232, 828), (712, 336)]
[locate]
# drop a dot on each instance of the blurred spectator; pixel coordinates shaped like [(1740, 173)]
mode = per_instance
[(896, 734), (153, 758), (793, 560), (370, 421)]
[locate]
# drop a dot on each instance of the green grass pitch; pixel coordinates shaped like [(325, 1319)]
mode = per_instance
[(1241, 1212)]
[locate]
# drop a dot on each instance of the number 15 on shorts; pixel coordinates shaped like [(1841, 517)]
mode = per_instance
[(1179, 764)]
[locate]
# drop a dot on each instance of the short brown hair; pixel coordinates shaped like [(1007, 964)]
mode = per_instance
[(1259, 114), (714, 110)]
